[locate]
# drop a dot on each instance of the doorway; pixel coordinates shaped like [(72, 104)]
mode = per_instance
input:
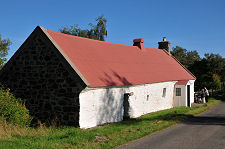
[(126, 106), (188, 95)]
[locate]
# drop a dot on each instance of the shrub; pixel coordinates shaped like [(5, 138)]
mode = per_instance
[(13, 110)]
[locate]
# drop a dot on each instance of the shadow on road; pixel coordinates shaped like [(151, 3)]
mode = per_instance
[(215, 118), (206, 120)]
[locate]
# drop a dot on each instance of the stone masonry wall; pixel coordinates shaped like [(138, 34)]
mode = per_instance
[(40, 75)]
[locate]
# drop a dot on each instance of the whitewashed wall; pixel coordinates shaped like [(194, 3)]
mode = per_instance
[(149, 98), (192, 83), (105, 105), (100, 105)]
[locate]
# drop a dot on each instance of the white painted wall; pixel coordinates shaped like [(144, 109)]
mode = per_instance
[(140, 104), (192, 83), (105, 105)]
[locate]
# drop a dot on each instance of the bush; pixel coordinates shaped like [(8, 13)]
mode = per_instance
[(13, 110)]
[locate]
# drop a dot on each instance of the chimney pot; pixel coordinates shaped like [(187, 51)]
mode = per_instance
[(164, 45), (139, 42)]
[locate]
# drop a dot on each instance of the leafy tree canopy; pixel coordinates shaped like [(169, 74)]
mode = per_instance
[(187, 58), (4, 48), (209, 70), (216, 83), (223, 71), (215, 62), (97, 31)]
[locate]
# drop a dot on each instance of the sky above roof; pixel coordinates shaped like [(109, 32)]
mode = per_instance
[(194, 25)]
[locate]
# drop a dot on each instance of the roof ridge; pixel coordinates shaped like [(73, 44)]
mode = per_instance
[(95, 40)]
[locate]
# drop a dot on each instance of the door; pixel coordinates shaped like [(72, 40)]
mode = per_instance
[(126, 106), (188, 95)]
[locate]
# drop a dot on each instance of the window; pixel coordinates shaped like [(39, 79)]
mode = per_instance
[(178, 91), (164, 92)]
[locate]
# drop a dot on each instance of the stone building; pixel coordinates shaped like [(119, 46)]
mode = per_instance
[(85, 82)]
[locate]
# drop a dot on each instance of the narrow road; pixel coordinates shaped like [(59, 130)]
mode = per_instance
[(206, 131)]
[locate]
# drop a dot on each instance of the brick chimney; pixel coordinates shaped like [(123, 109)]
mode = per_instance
[(164, 45), (139, 42)]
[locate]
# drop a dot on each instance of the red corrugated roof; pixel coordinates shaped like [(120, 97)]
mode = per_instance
[(109, 64), (182, 82)]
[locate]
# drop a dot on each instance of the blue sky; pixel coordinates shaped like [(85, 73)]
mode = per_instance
[(192, 24)]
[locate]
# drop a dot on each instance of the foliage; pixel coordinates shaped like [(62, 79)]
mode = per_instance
[(202, 73), (216, 83), (111, 135), (97, 32), (4, 47), (13, 110), (213, 70), (222, 74), (209, 70), (215, 63), (187, 58)]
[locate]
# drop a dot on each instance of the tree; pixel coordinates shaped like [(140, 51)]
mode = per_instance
[(202, 73), (216, 83), (97, 32), (192, 57), (186, 58), (100, 29), (4, 47), (209, 71), (215, 63), (180, 54), (223, 73)]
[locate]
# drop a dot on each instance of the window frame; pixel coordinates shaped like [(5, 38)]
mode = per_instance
[(178, 91)]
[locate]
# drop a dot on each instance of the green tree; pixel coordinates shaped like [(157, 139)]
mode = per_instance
[(180, 54), (215, 62), (186, 58), (216, 65), (202, 73), (100, 29), (4, 48), (223, 74), (192, 57), (97, 31), (209, 70), (216, 83)]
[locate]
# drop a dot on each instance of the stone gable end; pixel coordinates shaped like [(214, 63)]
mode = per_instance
[(40, 75)]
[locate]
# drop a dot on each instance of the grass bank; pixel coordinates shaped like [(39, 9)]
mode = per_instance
[(108, 136)]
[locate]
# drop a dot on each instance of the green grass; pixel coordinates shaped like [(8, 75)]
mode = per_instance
[(113, 135)]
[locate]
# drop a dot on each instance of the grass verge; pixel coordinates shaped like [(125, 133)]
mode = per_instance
[(108, 136)]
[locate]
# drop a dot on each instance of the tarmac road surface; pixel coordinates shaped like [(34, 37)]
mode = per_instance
[(206, 131)]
